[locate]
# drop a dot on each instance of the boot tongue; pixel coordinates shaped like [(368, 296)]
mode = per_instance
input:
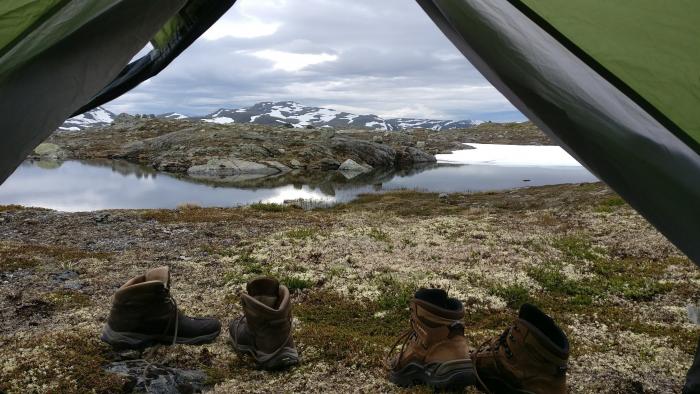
[(265, 290), (161, 274), (438, 297)]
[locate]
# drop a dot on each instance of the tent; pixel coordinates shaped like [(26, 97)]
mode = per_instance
[(64, 57), (615, 84)]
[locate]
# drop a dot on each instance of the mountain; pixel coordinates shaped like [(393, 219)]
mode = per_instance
[(289, 112), (95, 117), (173, 115), (279, 113)]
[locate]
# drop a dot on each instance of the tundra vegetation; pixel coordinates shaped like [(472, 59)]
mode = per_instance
[(617, 287)]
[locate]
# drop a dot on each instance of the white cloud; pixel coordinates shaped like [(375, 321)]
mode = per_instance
[(365, 56), (289, 61), (246, 29)]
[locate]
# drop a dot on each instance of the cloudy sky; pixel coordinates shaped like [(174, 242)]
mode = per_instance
[(363, 56)]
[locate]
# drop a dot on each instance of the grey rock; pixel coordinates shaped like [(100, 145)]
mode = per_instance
[(295, 163), (376, 155), (411, 155), (350, 165), (328, 163), (420, 144), (50, 151), (102, 218), (67, 279), (378, 139), (277, 165), (64, 276), (144, 377), (230, 167)]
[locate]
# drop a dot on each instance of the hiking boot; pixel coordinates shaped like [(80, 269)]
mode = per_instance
[(434, 351), (144, 314), (529, 357), (265, 329)]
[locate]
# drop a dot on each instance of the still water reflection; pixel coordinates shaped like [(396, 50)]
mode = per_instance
[(94, 185)]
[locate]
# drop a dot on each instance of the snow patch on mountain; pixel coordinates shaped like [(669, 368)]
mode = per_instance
[(173, 115), (300, 116), (282, 112), (96, 117)]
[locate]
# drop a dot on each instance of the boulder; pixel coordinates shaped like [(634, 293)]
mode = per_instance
[(411, 155), (50, 151), (277, 165), (294, 163), (350, 165), (230, 167), (376, 155)]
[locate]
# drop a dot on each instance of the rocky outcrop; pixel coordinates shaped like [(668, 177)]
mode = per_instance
[(376, 155), (49, 151), (230, 167), (410, 155)]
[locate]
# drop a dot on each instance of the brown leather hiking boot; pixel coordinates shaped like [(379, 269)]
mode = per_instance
[(434, 351), (265, 329), (529, 357), (144, 313)]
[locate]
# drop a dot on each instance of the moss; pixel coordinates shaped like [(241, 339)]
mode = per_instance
[(11, 208), (635, 288), (193, 215), (66, 300), (296, 284), (302, 233), (378, 235), (576, 248), (14, 256), (610, 204), (32, 364), (267, 207), (346, 330), (513, 295), (394, 294)]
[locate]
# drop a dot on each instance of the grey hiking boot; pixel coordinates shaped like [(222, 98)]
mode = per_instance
[(144, 314), (434, 351), (265, 329)]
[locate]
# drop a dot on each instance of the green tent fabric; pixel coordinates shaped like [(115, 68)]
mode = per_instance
[(173, 38), (654, 53), (616, 83), (58, 56)]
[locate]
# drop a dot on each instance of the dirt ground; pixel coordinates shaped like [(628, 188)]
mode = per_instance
[(616, 286)]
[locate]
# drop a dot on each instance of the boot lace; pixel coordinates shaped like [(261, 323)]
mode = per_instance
[(502, 341), (149, 364), (407, 336)]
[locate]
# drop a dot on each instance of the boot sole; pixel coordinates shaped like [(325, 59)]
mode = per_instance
[(283, 358), (450, 375), (133, 340)]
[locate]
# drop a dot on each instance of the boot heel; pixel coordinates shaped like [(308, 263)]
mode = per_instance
[(455, 374), (126, 340)]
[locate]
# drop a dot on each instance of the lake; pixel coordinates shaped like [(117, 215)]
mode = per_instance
[(95, 185)]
